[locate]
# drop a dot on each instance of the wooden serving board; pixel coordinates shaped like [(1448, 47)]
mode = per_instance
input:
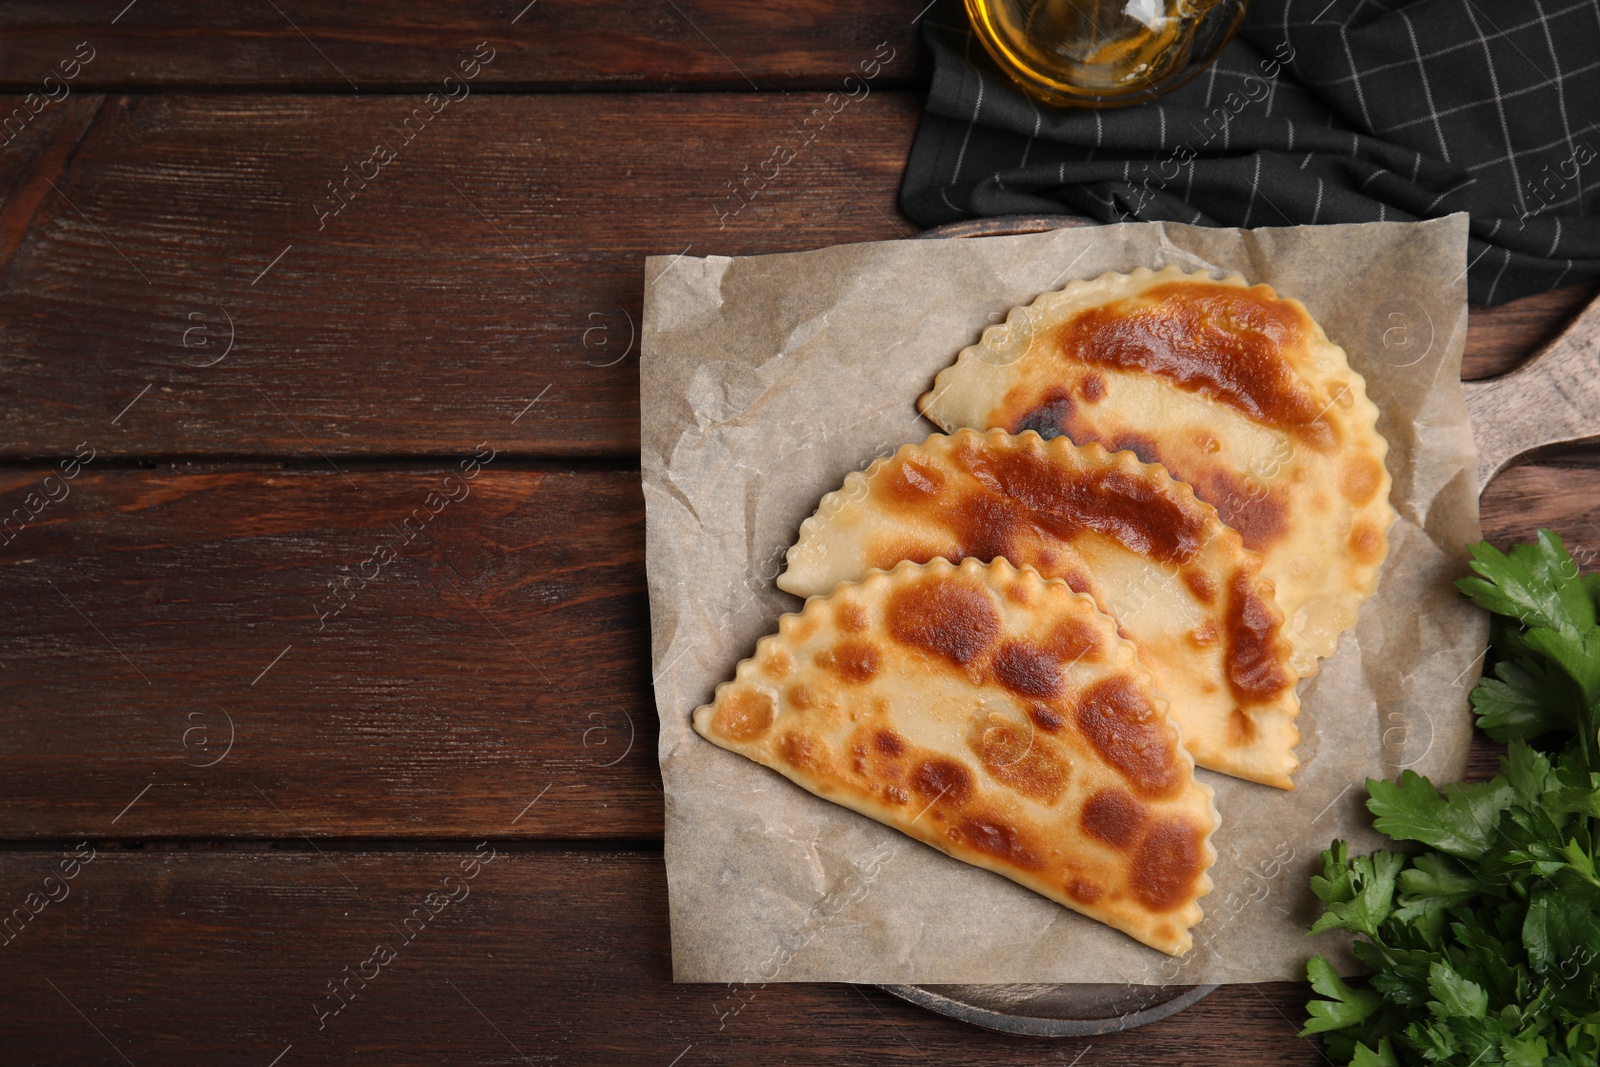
[(1552, 398)]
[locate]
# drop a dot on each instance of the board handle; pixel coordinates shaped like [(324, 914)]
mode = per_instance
[(1551, 399)]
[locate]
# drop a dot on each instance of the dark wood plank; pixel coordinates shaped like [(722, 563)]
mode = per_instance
[(498, 658), (204, 957), (341, 46), (35, 153), (497, 261), (504, 651), (495, 268), (1483, 761), (1499, 338), (1523, 499)]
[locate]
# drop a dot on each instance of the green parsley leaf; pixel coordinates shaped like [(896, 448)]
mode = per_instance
[(1383, 1057), (1527, 771), (1561, 931), (1484, 946), (1461, 822), (1524, 1052), (1576, 653), (1348, 1006), (1429, 890), (1457, 997), (1516, 704), (1359, 895), (1433, 875), (1536, 584)]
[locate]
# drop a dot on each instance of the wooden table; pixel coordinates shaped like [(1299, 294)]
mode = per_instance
[(261, 347)]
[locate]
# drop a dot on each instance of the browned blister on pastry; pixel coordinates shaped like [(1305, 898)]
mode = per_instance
[(1235, 390), (996, 716), (1179, 583)]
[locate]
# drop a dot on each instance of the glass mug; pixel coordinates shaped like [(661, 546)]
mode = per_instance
[(1103, 53)]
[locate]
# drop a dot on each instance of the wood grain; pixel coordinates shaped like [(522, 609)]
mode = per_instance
[(483, 685), (502, 656), (493, 270), (497, 659), (202, 957), (1564, 499), (1483, 759), (1499, 338), (1553, 398), (35, 156), (341, 46)]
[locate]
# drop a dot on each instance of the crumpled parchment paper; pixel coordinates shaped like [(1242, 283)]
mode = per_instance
[(765, 380)]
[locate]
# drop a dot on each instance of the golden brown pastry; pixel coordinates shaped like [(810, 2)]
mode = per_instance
[(1233, 389), (996, 716), (1180, 584)]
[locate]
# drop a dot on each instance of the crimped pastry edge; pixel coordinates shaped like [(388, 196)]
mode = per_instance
[(858, 481), (1363, 414), (1001, 571)]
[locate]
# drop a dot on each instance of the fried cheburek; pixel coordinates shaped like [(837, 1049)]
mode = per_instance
[(996, 716), (1233, 389), (1179, 584)]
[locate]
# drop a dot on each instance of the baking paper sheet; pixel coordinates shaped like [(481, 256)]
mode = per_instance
[(765, 380)]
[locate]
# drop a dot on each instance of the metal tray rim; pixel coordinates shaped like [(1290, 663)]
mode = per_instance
[(1044, 1026)]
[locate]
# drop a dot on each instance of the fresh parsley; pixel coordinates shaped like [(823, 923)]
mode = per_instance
[(1484, 946)]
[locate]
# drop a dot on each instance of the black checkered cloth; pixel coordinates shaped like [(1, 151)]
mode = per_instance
[(1320, 111)]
